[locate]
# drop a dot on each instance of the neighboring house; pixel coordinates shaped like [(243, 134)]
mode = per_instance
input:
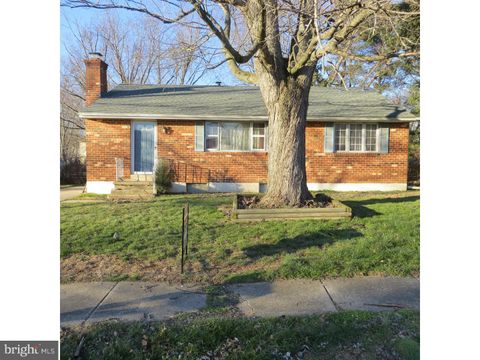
[(216, 136)]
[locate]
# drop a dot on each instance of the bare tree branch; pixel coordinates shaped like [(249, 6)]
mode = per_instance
[(72, 93), (113, 5), (231, 53), (372, 58), (76, 126)]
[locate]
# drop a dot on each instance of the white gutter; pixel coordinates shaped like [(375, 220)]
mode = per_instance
[(166, 117), (120, 116)]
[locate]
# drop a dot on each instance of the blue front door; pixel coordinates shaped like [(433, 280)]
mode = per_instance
[(143, 146)]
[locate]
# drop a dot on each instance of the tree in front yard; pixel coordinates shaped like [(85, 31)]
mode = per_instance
[(276, 45)]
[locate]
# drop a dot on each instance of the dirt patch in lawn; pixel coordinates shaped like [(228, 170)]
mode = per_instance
[(87, 268)]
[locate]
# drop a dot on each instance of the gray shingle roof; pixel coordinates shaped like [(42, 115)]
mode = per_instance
[(237, 102)]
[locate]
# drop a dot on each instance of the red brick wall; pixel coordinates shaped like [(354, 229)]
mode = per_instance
[(195, 167), (340, 167), (107, 139)]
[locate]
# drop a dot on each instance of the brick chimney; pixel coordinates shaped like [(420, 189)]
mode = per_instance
[(96, 77)]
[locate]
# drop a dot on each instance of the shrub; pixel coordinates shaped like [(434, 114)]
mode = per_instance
[(414, 157), (414, 169), (72, 171), (163, 176)]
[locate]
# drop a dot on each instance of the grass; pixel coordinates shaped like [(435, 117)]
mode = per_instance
[(91, 196), (344, 335), (381, 238)]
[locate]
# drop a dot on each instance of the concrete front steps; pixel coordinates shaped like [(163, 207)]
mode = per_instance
[(140, 177), (133, 188)]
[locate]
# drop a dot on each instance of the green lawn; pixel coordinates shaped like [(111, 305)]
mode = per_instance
[(344, 335), (382, 238)]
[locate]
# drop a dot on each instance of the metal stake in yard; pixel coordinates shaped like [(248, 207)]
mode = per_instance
[(184, 234)]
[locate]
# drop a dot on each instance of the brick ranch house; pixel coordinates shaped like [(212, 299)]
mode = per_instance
[(216, 136)]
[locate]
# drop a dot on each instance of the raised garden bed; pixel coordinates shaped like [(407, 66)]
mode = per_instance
[(334, 210)]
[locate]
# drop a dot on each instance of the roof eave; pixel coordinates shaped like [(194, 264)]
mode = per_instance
[(93, 115)]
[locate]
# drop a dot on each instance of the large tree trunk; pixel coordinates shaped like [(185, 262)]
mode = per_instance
[(287, 105)]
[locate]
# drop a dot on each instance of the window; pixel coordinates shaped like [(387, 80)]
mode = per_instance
[(371, 137), (356, 137), (258, 136), (340, 137), (211, 131), (235, 136)]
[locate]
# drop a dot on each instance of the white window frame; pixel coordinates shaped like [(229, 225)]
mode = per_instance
[(364, 138), (377, 138), (206, 136), (347, 140), (264, 136), (250, 138)]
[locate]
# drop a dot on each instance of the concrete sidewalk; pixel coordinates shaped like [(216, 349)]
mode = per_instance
[(70, 192), (83, 303)]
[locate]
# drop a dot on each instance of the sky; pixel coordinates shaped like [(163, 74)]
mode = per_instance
[(84, 16)]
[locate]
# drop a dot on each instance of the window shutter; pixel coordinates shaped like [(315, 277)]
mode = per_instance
[(199, 135), (329, 136), (383, 138)]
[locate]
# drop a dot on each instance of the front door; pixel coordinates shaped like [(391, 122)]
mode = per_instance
[(143, 138)]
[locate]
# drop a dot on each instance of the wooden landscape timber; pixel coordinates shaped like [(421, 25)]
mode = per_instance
[(337, 211)]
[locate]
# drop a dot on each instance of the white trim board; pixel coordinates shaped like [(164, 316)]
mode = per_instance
[(357, 186), (100, 187), (206, 117)]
